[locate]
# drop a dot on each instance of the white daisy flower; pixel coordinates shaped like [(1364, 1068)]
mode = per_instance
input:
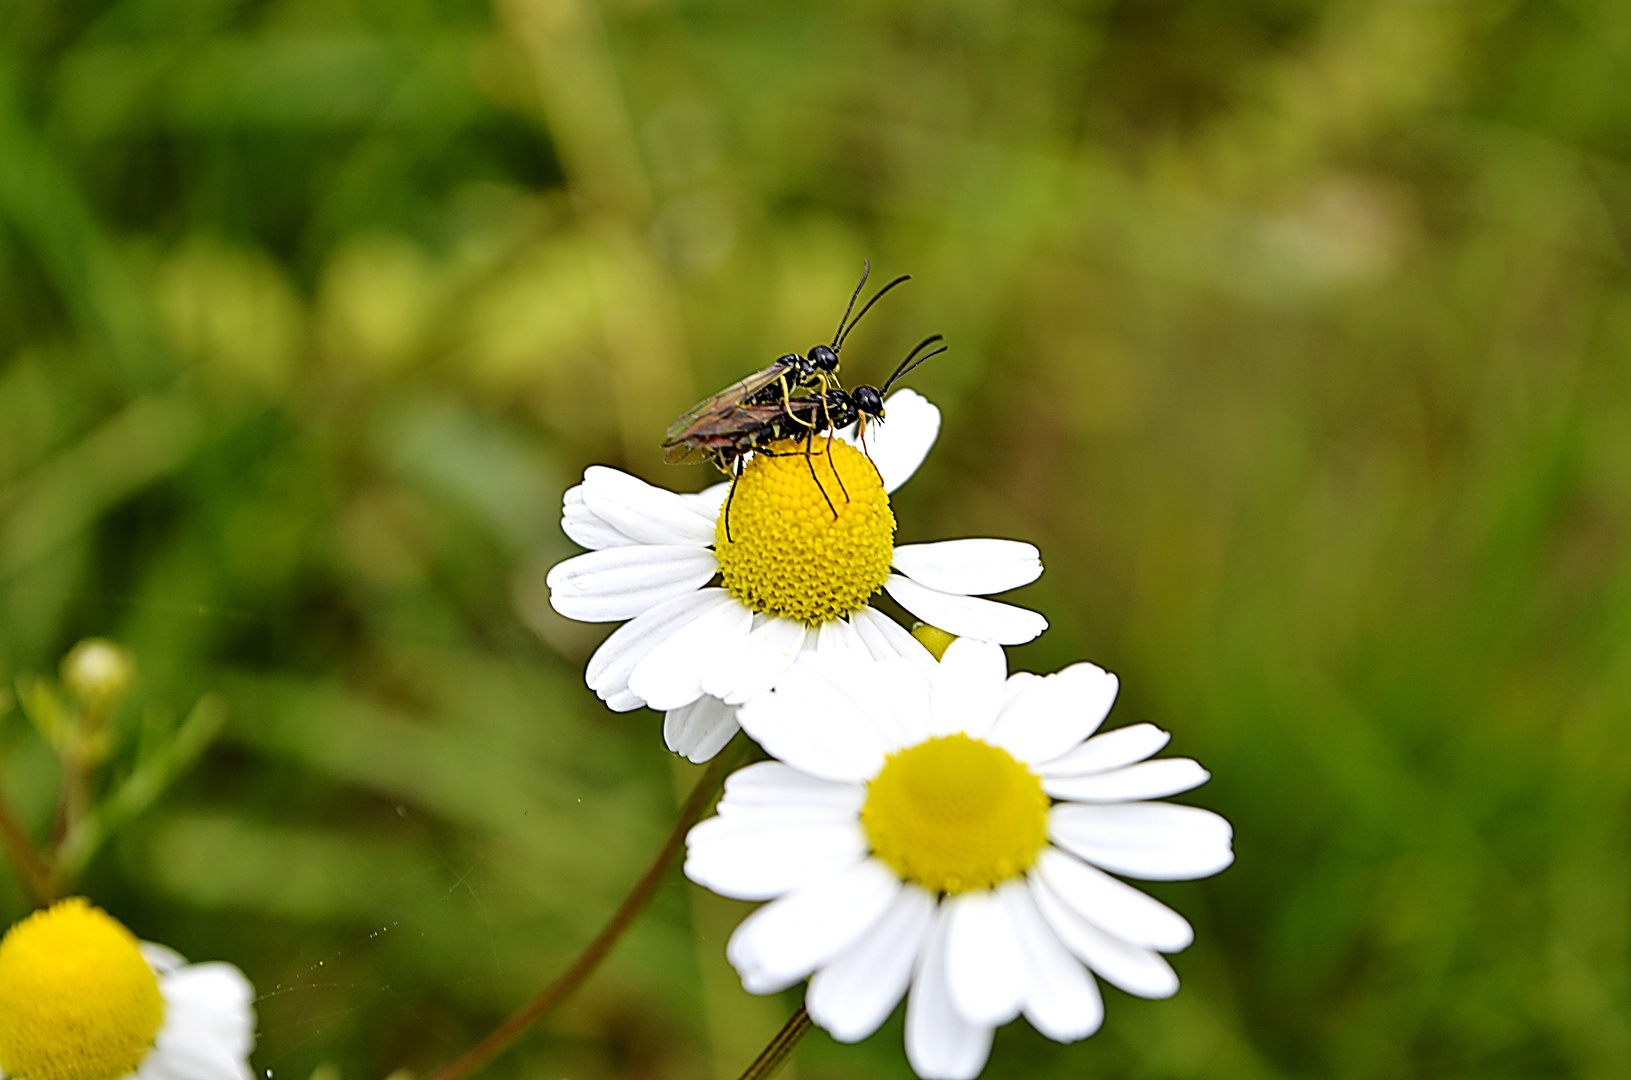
[(793, 578), (82, 999), (954, 831)]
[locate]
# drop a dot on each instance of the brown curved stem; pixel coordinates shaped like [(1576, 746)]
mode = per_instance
[(696, 804), (32, 870), (779, 1049)]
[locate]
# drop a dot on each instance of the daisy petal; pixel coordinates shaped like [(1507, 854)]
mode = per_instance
[(984, 968), (970, 567), (1136, 970), (754, 666), (1049, 715), (1111, 750), (622, 582), (1154, 841), (940, 1044), (748, 858), (585, 529), (884, 637), (810, 723), (645, 513), (855, 993), (701, 729), (710, 500), (671, 674), (1111, 905), (1146, 780), (838, 636), (772, 784), (209, 1022), (899, 444), (966, 616), (1061, 999), (609, 668), (968, 688), (788, 938)]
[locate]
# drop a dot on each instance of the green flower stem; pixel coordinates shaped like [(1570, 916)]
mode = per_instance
[(696, 804), (147, 781), (779, 1049), (38, 880)]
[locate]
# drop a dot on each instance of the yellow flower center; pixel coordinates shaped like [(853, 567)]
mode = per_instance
[(77, 1001), (955, 814), (787, 552)]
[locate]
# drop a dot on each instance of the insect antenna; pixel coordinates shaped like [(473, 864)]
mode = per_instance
[(907, 364), (838, 341), (866, 268)]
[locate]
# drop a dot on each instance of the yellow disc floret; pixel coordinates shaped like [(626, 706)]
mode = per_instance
[(808, 547), (77, 1001), (955, 813)]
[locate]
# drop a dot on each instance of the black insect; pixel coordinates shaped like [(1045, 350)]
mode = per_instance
[(697, 433), (805, 418)]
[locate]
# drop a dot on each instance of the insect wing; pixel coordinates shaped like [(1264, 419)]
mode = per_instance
[(717, 412)]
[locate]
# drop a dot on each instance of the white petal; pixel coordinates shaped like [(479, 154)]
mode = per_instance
[(772, 784), (966, 616), (701, 729), (855, 993), (1111, 905), (585, 529), (968, 688), (710, 500), (671, 674), (1146, 780), (646, 513), (622, 582), (893, 694), (161, 958), (788, 938), (610, 666), (1135, 970), (623, 701), (940, 1044), (885, 637), (1042, 718), (899, 444), (984, 967), (810, 723), (753, 857), (209, 1026), (1154, 841), (838, 636), (1061, 999), (970, 567), (754, 666), (1111, 750)]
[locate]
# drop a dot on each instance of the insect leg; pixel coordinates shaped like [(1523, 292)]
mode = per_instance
[(736, 474), (809, 440)]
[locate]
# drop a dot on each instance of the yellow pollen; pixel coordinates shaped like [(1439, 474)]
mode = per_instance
[(786, 553), (936, 640), (954, 814), (77, 1001)]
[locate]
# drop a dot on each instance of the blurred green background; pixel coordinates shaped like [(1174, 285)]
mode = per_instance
[(1297, 333)]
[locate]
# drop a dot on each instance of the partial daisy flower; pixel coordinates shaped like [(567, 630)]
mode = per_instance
[(792, 577), (953, 830), (82, 999)]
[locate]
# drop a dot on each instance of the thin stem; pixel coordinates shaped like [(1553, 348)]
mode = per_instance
[(701, 797), (38, 880), (779, 1049)]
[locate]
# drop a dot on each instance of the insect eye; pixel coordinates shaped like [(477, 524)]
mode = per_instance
[(868, 401), (824, 358)]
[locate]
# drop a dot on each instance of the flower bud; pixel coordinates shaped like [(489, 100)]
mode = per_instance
[(98, 672)]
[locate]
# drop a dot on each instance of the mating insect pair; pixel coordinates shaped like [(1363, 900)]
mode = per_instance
[(797, 397)]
